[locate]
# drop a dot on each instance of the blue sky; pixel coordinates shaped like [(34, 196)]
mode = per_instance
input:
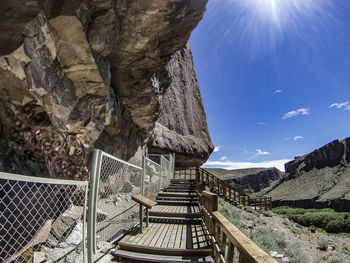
[(274, 77)]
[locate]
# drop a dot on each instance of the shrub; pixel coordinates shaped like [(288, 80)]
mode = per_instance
[(323, 244), (335, 260), (296, 255), (328, 219), (265, 238)]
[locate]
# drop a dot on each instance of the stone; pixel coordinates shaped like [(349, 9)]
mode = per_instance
[(127, 188), (273, 253), (66, 222), (76, 236), (181, 125), (39, 257), (101, 215), (286, 260)]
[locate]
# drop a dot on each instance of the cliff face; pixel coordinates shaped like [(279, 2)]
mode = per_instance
[(76, 75), (181, 126), (318, 179), (251, 180)]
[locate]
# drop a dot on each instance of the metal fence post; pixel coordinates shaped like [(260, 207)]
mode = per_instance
[(93, 191)]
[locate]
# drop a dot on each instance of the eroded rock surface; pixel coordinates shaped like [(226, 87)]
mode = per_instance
[(318, 179), (251, 180), (78, 75), (181, 126)]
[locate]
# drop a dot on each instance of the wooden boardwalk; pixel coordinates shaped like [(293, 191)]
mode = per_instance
[(176, 232)]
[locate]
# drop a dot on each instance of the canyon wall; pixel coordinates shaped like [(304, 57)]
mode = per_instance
[(79, 75), (317, 180)]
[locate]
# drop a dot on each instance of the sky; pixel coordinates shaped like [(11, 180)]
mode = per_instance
[(274, 78)]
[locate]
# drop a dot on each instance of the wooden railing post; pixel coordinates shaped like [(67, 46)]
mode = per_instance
[(210, 201)]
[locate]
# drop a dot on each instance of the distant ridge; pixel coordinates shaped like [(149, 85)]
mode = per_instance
[(251, 180), (318, 179)]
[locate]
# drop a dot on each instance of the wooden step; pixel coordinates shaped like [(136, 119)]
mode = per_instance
[(182, 186), (165, 251), (177, 194), (170, 202), (179, 190), (176, 211), (175, 220), (179, 198), (143, 257), (183, 180)]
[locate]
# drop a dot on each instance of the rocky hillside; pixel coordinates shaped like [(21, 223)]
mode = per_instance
[(251, 180), (318, 179), (79, 75)]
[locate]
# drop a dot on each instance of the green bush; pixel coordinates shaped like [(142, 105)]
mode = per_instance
[(323, 244), (296, 255), (327, 219)]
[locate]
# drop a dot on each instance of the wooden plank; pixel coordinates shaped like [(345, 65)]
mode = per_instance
[(157, 236), (165, 251), (141, 199)]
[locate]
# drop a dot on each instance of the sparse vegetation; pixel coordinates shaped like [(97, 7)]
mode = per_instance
[(323, 244), (327, 219), (296, 254)]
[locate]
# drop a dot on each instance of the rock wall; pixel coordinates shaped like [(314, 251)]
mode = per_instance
[(181, 126), (318, 179), (78, 75), (251, 180)]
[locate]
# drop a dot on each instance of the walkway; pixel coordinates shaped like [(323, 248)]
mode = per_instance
[(176, 232)]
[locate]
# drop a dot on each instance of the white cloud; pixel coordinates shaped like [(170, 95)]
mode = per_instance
[(277, 91), (217, 148), (262, 123), (279, 164), (293, 113), (223, 158), (259, 152), (297, 137), (340, 105)]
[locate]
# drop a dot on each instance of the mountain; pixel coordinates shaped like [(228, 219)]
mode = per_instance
[(250, 180), (318, 179)]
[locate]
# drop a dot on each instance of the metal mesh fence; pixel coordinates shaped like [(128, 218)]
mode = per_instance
[(166, 172), (158, 170), (42, 220), (152, 176), (114, 213)]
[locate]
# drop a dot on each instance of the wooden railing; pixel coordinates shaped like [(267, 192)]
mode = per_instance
[(189, 173), (226, 238), (224, 189)]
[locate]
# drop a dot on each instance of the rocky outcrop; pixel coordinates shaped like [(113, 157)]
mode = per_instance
[(251, 180), (181, 126), (318, 179), (78, 75)]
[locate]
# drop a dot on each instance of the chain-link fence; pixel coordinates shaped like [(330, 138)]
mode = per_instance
[(41, 219), (113, 213), (44, 219), (152, 175), (158, 170)]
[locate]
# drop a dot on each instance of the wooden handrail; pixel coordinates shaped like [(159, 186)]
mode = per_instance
[(226, 238), (224, 189)]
